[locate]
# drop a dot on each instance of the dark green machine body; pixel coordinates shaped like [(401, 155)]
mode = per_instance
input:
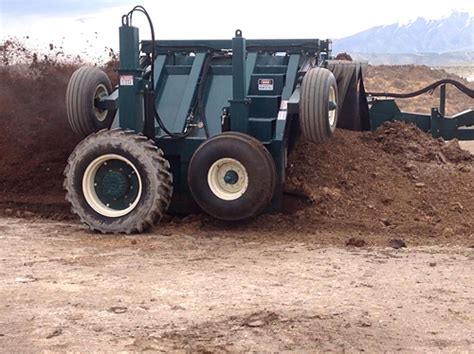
[(197, 89), (208, 124), (203, 88)]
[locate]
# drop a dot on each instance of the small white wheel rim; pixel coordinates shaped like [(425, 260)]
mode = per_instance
[(332, 113), (100, 92), (88, 187), (216, 179)]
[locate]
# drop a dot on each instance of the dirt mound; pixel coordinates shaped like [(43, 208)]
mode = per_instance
[(344, 56), (407, 141), (409, 78), (366, 181), (35, 138)]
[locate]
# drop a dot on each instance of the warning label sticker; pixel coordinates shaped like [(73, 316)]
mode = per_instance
[(126, 80), (265, 84)]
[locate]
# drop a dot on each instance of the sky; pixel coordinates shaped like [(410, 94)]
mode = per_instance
[(88, 26)]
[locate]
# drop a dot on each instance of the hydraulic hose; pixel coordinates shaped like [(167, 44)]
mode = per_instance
[(430, 88), (142, 10)]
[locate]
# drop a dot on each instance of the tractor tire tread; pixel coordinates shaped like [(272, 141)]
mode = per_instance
[(79, 105), (313, 105), (262, 154), (149, 154)]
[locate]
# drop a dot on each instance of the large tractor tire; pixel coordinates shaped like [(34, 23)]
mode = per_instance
[(232, 176), (118, 181), (319, 105), (86, 86)]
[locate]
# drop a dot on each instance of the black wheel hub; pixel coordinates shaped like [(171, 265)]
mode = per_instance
[(231, 177), (114, 185)]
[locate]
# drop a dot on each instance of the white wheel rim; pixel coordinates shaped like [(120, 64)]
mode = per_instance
[(332, 113), (218, 177), (88, 187), (100, 92)]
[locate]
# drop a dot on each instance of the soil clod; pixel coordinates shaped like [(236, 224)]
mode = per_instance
[(355, 242), (397, 243)]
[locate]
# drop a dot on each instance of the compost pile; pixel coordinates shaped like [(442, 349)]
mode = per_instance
[(409, 78), (397, 180), (35, 138)]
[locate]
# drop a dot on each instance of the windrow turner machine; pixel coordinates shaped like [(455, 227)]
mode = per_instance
[(203, 124)]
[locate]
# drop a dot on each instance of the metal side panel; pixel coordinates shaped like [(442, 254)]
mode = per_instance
[(384, 110), (177, 87), (170, 97), (457, 127), (189, 93), (249, 69), (253, 45), (465, 118), (218, 95), (160, 62), (291, 73)]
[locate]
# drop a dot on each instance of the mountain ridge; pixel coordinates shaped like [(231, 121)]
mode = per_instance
[(454, 33)]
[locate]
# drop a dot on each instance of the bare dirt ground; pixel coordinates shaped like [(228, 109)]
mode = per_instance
[(63, 288), (467, 145)]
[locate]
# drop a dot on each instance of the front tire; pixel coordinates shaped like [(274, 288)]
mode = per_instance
[(319, 105), (86, 86), (232, 176), (118, 181)]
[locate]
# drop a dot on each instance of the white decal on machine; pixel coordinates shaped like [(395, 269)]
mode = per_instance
[(265, 84), (126, 80)]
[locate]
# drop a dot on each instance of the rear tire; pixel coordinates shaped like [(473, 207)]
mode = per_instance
[(118, 181), (88, 84), (232, 176), (319, 105)]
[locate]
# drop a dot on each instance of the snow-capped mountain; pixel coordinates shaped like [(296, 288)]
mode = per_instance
[(451, 34)]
